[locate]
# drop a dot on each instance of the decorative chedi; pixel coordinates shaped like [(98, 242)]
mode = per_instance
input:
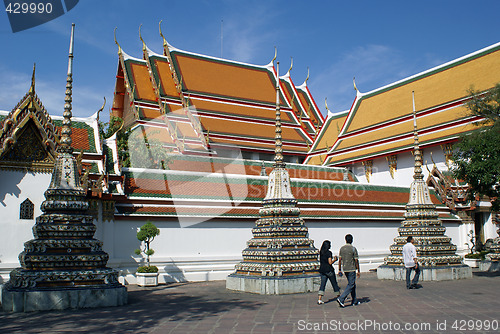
[(280, 258), (492, 261), (64, 266), (435, 252)]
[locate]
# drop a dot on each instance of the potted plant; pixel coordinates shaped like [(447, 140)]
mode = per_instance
[(147, 275), (474, 259)]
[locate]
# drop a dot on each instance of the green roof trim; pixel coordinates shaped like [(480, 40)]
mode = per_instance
[(81, 125)]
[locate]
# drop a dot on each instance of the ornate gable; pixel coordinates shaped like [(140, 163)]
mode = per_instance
[(27, 135)]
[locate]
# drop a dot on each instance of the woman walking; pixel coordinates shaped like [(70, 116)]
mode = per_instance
[(326, 259)]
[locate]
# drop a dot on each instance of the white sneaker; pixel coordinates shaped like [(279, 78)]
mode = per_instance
[(320, 302)]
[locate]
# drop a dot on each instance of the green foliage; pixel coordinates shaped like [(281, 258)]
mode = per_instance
[(145, 150), (135, 147), (147, 232), (146, 235), (480, 256), (147, 269), (108, 129), (477, 155)]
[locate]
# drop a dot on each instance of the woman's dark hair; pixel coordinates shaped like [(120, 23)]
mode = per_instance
[(325, 246)]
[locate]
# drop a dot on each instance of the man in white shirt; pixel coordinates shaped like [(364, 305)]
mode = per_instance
[(410, 261)]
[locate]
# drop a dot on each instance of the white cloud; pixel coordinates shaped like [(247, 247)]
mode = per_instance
[(245, 36)]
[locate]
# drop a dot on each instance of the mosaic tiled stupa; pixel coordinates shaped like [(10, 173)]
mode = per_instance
[(64, 266), (435, 253), (280, 258)]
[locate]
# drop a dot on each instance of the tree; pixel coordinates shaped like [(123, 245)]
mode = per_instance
[(477, 155), (146, 235)]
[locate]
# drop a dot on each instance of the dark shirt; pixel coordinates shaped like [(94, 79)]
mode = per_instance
[(324, 266)]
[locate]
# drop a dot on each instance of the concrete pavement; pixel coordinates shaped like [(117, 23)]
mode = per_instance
[(464, 306)]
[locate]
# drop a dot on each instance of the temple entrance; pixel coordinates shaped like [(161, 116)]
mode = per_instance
[(479, 220)]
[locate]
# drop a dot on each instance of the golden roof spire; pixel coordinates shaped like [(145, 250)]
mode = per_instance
[(326, 106), (116, 42), (165, 44), (32, 87), (291, 65), (31, 92), (144, 49), (275, 55), (307, 78)]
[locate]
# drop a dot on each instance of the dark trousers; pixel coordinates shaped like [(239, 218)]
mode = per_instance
[(351, 286), (324, 278), (415, 278)]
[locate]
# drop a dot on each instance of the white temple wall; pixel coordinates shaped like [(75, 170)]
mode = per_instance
[(490, 229), (15, 187), (210, 250)]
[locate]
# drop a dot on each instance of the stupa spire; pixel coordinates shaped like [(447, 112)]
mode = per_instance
[(278, 149), (66, 128), (416, 146), (280, 258), (435, 252)]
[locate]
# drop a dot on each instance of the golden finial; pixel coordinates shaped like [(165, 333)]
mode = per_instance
[(143, 43), (99, 111), (326, 106), (354, 84), (116, 42), (275, 55), (307, 78), (293, 102), (432, 159), (291, 65), (161, 34), (427, 166)]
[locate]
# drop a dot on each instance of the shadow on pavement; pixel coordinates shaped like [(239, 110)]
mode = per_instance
[(486, 273), (146, 309)]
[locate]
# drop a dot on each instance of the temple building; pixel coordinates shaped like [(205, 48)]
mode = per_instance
[(200, 142)]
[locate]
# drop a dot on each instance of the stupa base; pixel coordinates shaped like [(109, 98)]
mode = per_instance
[(45, 300), (446, 273), (266, 285), (489, 266)]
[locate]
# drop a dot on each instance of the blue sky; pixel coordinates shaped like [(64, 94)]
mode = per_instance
[(378, 42)]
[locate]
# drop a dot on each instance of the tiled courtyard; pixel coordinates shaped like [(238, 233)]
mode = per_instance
[(465, 306)]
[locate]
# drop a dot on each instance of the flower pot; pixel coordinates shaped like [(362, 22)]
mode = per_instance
[(473, 263), (147, 279)]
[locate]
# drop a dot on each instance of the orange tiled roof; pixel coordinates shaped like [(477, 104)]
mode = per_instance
[(326, 138), (380, 122), (233, 99)]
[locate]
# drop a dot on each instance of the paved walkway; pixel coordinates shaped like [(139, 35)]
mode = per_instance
[(207, 307)]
